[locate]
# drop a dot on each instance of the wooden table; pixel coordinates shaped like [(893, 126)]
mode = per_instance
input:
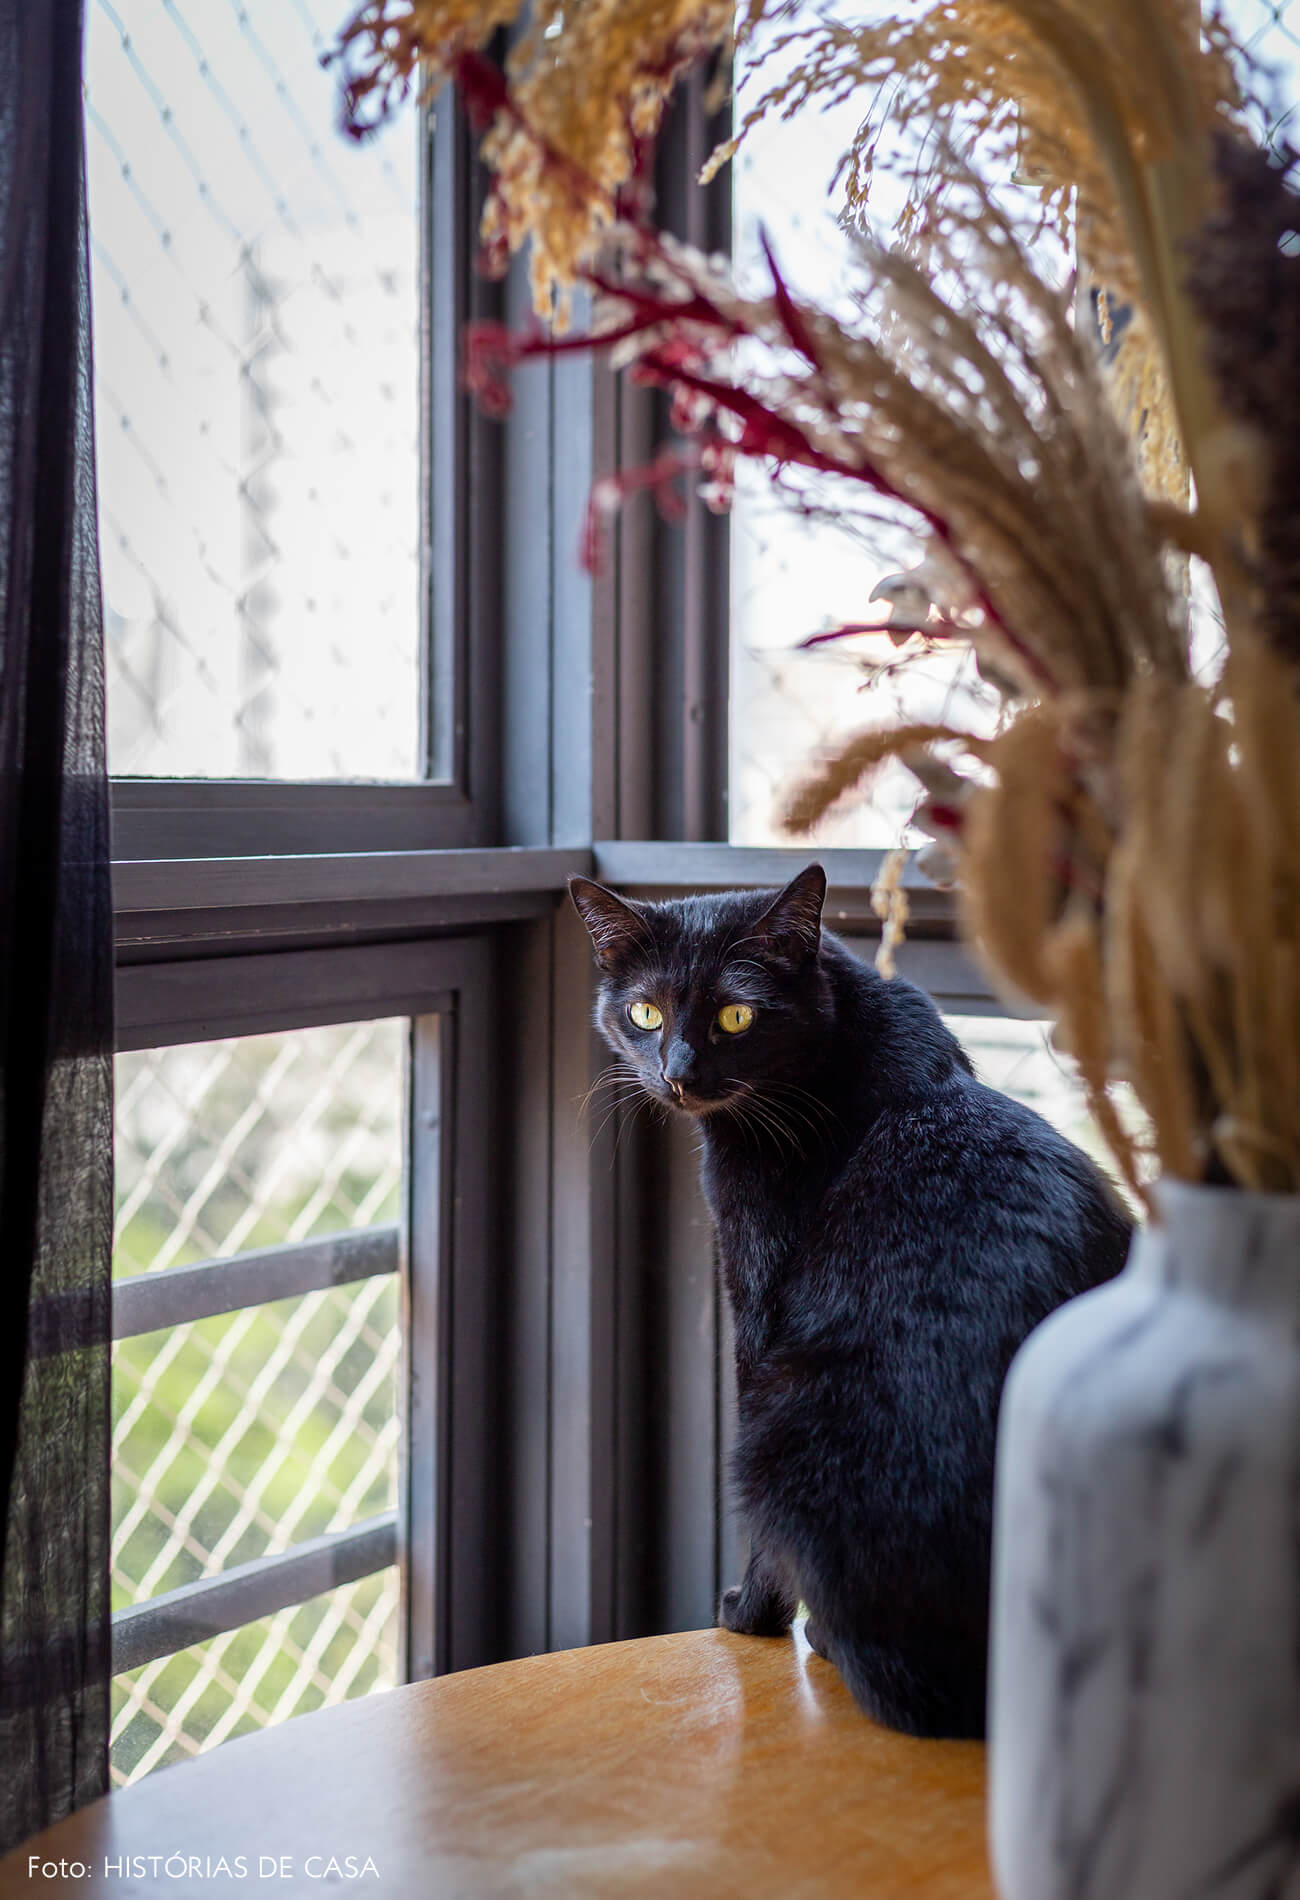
[(696, 1767)]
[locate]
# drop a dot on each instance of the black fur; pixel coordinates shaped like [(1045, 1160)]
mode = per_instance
[(890, 1230)]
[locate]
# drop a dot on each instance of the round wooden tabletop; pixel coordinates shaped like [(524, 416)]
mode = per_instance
[(705, 1766)]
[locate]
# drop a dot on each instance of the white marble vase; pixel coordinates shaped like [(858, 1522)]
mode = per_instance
[(1145, 1681)]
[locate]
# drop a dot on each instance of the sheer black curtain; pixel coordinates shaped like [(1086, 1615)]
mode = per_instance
[(55, 953)]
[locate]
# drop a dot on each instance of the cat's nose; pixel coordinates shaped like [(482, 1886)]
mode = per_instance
[(677, 1064)]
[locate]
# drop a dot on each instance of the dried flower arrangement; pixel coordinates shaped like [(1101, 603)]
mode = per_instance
[(1127, 844)]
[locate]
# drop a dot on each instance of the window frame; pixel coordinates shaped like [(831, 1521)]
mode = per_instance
[(243, 907), (569, 1411), (452, 805), (441, 988)]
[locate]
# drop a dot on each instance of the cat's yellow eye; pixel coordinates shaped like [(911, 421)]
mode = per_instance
[(645, 1015), (735, 1018)]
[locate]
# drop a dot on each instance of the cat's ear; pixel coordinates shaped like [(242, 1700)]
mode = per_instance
[(614, 925), (791, 926)]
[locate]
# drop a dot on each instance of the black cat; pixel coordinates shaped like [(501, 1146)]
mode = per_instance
[(890, 1230)]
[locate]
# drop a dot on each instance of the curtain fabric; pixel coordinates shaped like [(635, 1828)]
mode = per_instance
[(55, 953)]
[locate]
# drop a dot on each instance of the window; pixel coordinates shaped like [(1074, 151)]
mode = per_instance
[(413, 1371), (293, 1209), (287, 604), (301, 757)]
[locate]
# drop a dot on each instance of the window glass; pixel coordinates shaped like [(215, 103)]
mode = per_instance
[(795, 573), (239, 1436), (243, 1435), (254, 1140), (1017, 1057), (255, 285), (795, 576), (309, 1656)]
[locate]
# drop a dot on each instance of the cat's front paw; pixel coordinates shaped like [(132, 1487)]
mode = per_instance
[(744, 1617), (815, 1640), (729, 1615)]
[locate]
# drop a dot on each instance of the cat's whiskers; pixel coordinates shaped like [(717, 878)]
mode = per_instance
[(620, 1070), (799, 1137), (806, 1095), (634, 1097), (627, 1090), (734, 1111), (624, 1081), (783, 1135), (646, 1101), (787, 1097), (610, 1107), (749, 1110), (633, 1105), (731, 1107), (766, 1113)]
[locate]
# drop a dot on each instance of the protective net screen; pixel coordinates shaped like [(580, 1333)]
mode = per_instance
[(256, 325), (240, 1436), (310, 1656)]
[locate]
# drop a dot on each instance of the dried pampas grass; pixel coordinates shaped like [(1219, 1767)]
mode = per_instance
[(1127, 843), (889, 903), (1154, 915), (588, 86)]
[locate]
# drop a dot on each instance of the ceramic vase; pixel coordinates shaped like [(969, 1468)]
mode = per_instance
[(1145, 1670)]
